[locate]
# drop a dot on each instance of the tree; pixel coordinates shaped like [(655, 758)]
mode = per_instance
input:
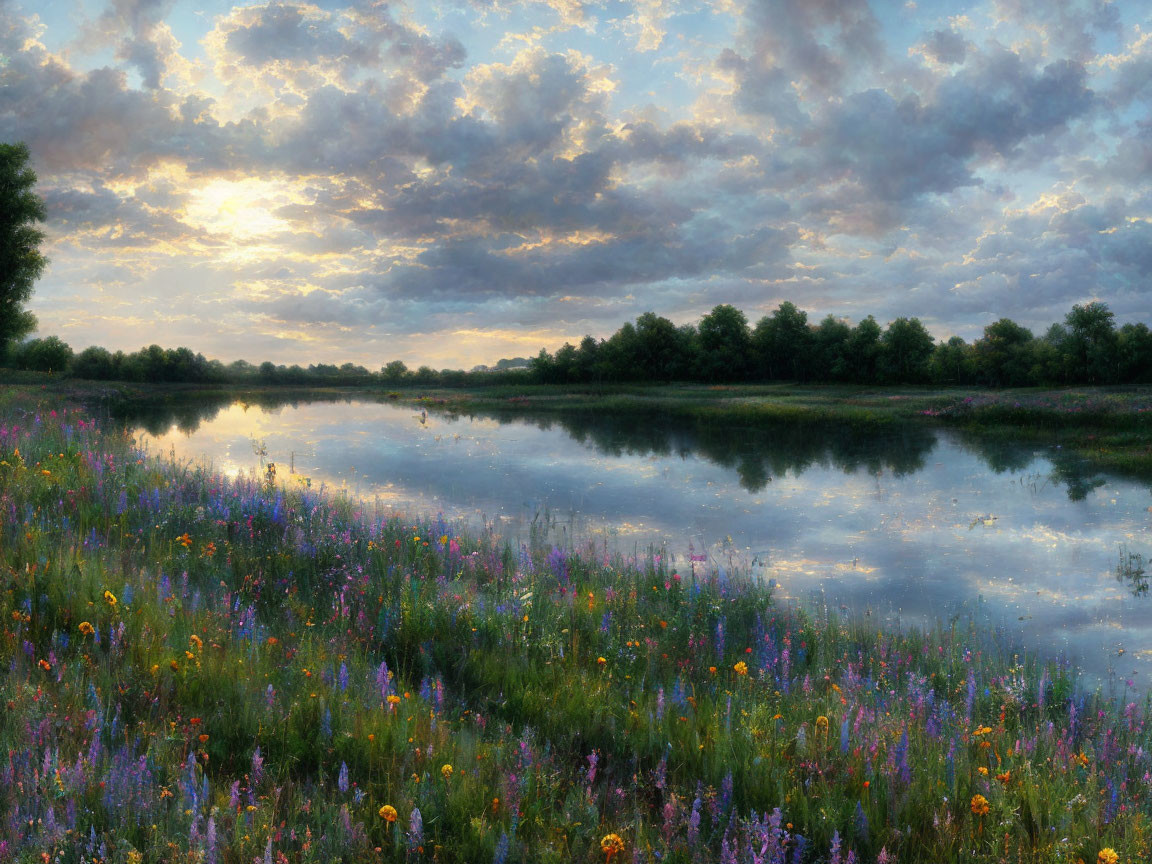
[(907, 348), (43, 355), (862, 351), (394, 372), (95, 363), (659, 348), (20, 260), (725, 345), (783, 343), (829, 342), (951, 362), (1092, 342), (1004, 356), (1134, 350)]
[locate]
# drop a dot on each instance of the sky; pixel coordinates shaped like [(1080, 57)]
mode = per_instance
[(448, 183)]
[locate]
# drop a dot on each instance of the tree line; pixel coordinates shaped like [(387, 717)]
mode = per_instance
[(1086, 348)]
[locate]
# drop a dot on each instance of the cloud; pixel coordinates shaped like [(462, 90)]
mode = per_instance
[(343, 168), (945, 46)]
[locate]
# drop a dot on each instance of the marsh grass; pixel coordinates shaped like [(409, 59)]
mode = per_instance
[(215, 669)]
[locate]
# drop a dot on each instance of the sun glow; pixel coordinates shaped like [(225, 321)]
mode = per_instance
[(241, 209)]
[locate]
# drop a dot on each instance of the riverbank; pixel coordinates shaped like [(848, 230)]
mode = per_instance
[(204, 668)]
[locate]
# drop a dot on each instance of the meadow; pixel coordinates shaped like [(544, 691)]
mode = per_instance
[(200, 668)]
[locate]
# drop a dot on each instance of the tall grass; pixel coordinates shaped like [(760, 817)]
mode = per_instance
[(214, 669)]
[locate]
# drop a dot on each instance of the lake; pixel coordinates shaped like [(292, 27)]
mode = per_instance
[(911, 525)]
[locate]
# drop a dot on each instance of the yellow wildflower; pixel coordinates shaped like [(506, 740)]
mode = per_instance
[(611, 844), (980, 805), (741, 668), (388, 813)]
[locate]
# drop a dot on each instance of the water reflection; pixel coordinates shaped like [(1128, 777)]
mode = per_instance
[(754, 453), (915, 524)]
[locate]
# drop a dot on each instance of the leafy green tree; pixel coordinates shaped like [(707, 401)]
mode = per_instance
[(725, 345), (1134, 353), (426, 375), (1003, 355), (543, 368), (1051, 357), (951, 362), (586, 364), (660, 352), (50, 354), (1092, 342), (620, 354), (95, 363), (907, 346), (782, 343), (394, 372), (564, 364), (21, 262), (829, 342), (862, 352)]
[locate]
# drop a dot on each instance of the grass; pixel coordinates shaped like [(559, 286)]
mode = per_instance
[(212, 669)]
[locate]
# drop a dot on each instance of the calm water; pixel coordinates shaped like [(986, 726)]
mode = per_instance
[(917, 525)]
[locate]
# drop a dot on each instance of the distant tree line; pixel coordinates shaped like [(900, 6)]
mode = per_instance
[(1087, 348)]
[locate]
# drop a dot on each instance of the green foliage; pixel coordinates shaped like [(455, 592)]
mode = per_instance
[(21, 262), (50, 354)]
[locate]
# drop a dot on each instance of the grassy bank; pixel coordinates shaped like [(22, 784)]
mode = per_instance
[(198, 668)]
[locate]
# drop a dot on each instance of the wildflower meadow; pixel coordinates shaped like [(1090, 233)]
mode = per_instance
[(202, 668)]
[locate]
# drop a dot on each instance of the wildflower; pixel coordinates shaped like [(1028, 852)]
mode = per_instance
[(1005, 778), (982, 730), (446, 771), (388, 813), (174, 665), (983, 771), (45, 665), (980, 805), (197, 641), (600, 661), (184, 540), (741, 668), (86, 628), (822, 724), (110, 599), (1107, 855), (610, 845)]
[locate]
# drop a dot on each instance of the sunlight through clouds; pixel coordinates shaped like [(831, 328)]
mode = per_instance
[(552, 169)]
